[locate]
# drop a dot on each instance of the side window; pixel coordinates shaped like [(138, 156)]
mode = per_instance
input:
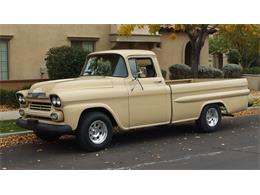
[(142, 67), (85, 45), (3, 60)]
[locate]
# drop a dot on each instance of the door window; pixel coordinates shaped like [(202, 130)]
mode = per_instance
[(142, 67)]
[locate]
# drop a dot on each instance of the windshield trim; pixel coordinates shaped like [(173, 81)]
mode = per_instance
[(91, 55)]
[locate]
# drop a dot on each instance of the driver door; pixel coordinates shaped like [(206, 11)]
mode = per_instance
[(149, 99)]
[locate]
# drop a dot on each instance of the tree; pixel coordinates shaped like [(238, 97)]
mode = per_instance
[(197, 34), (245, 39), (217, 47)]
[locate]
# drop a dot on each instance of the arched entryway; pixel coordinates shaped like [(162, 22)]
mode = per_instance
[(188, 54)]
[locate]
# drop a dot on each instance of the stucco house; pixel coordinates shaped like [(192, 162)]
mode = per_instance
[(23, 47)]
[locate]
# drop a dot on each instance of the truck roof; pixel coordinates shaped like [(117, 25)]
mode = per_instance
[(126, 52)]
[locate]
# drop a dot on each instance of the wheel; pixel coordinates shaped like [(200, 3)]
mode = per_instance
[(95, 131), (210, 118), (47, 137)]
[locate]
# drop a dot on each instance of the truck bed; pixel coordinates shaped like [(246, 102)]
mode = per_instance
[(190, 95)]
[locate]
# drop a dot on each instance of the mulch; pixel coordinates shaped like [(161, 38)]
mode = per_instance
[(4, 108), (19, 139), (253, 111)]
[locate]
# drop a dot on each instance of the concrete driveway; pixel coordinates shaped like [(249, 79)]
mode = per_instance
[(234, 146)]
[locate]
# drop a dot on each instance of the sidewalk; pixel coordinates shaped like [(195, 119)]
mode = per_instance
[(9, 115)]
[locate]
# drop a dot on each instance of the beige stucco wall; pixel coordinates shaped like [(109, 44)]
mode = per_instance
[(30, 43), (173, 51)]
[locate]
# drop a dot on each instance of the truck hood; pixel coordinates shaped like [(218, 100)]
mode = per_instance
[(81, 83)]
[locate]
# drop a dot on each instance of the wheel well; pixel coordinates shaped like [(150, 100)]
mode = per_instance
[(222, 107), (99, 109)]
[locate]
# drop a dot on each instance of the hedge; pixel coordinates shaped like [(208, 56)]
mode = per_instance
[(179, 71), (251, 70), (182, 71), (232, 70), (209, 72), (65, 62), (8, 98)]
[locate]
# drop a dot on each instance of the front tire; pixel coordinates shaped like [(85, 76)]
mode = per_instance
[(95, 131), (210, 118)]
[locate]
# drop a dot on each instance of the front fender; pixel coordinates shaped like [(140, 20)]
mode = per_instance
[(73, 112)]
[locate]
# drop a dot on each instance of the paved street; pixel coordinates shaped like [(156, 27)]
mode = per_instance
[(234, 146)]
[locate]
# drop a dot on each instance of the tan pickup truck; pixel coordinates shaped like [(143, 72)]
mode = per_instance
[(124, 89)]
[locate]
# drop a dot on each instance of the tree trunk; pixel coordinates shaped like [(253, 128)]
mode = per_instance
[(220, 60), (195, 60)]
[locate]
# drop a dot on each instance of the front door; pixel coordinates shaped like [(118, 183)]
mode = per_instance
[(149, 99)]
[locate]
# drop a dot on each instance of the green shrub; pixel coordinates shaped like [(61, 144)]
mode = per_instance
[(179, 71), (65, 62), (252, 70), (209, 72), (8, 98), (26, 87), (232, 70), (233, 56), (164, 73)]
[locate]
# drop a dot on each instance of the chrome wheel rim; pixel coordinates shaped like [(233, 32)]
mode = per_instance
[(212, 117), (98, 132)]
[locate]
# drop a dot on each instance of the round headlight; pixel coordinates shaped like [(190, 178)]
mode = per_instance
[(55, 101), (58, 102), (21, 99)]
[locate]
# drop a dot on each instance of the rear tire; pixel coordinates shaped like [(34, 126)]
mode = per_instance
[(210, 118), (95, 131)]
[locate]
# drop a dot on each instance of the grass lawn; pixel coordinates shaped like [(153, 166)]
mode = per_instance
[(9, 126)]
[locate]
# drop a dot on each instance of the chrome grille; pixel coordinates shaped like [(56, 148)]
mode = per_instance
[(40, 106)]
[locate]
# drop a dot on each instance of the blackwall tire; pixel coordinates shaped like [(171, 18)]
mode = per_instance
[(210, 119), (94, 132)]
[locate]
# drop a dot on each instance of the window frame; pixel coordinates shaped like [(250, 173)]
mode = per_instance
[(93, 55), (82, 42), (7, 40), (84, 39), (142, 58)]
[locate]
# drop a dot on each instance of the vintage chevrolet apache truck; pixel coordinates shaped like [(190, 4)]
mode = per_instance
[(124, 89)]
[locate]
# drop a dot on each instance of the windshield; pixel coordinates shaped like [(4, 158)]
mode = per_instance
[(105, 65)]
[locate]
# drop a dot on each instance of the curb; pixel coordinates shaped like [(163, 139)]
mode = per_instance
[(15, 133), (253, 107)]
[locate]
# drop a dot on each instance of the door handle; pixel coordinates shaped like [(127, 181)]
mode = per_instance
[(157, 82)]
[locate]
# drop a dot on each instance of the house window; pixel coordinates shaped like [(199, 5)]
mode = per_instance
[(86, 45), (3, 59)]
